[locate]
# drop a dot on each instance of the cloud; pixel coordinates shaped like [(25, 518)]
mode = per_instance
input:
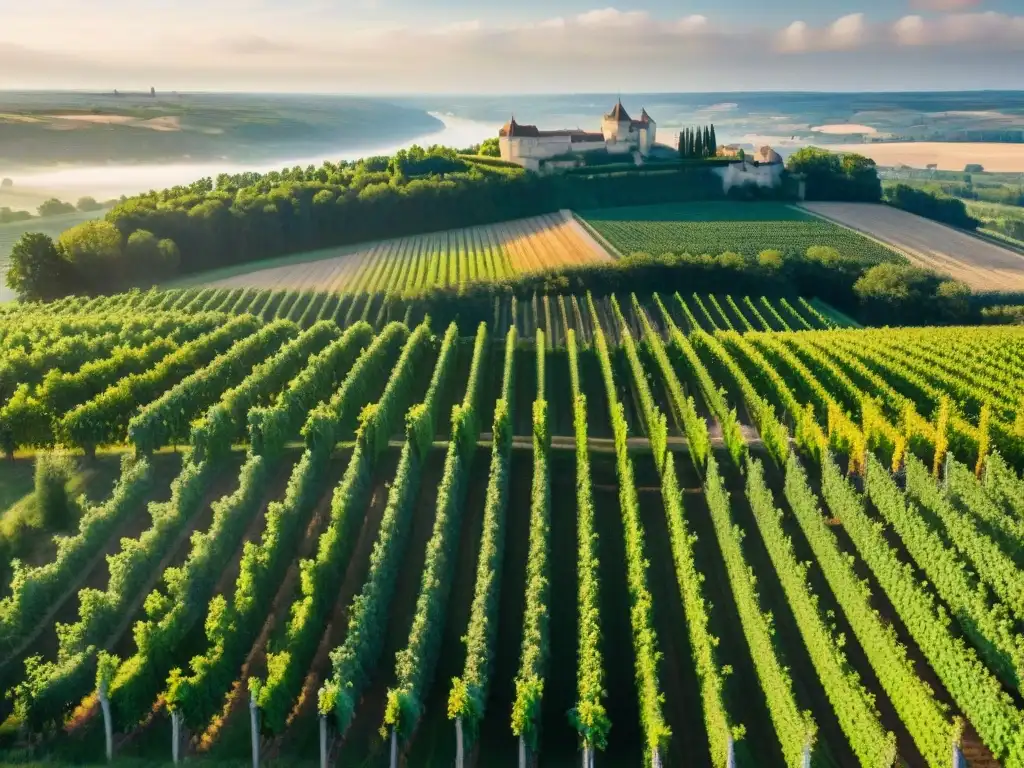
[(268, 50), (910, 30), (847, 32), (794, 38), (612, 17), (991, 30), (256, 45), (955, 31), (943, 6)]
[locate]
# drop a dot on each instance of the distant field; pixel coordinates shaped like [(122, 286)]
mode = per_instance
[(713, 228), (947, 155), (993, 211), (52, 226), (981, 264), (415, 264), (51, 128)]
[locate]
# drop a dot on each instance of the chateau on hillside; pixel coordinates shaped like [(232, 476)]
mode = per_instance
[(620, 134)]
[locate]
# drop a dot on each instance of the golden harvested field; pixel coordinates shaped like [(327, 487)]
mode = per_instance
[(982, 265), (948, 155), (411, 265)]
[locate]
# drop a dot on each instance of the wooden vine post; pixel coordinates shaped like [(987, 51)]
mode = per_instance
[(254, 723), (175, 735)]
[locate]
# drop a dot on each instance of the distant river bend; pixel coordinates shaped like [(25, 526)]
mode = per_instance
[(112, 180), (109, 181)]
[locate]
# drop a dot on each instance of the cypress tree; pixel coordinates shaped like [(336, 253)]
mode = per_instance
[(693, 144), (682, 143), (698, 149), (709, 149), (714, 141)]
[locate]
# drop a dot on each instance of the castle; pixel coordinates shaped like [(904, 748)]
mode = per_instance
[(528, 146)]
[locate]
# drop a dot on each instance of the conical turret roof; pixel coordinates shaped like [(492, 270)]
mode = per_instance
[(619, 113)]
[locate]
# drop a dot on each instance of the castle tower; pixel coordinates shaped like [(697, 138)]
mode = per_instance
[(648, 132), (616, 124)]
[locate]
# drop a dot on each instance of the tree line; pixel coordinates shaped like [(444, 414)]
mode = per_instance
[(893, 293), (698, 142), (249, 217)]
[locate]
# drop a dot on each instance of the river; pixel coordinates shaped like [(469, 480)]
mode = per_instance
[(112, 180), (104, 182)]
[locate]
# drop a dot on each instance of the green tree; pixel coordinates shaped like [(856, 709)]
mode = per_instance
[(170, 257), (55, 207), (93, 249), (824, 254), (714, 141), (812, 161), (708, 147), (863, 175), (149, 260), (7, 215), (832, 176), (490, 147), (37, 269), (887, 288), (698, 143), (88, 204), (954, 300)]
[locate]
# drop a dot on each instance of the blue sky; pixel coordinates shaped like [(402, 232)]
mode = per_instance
[(525, 46)]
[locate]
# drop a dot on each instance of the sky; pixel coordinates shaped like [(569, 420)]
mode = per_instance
[(518, 46)]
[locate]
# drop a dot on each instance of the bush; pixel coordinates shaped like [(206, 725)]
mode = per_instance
[(899, 294), (1004, 314), (948, 210), (148, 260), (57, 508), (55, 207), (88, 204), (832, 176), (824, 254), (7, 215)]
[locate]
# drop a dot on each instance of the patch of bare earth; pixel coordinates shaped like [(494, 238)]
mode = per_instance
[(981, 264)]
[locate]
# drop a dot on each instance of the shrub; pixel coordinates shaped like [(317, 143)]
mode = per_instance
[(948, 210)]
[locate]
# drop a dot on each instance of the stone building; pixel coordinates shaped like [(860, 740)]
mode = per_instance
[(528, 146)]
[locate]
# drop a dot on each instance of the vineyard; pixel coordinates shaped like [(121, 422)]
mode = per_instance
[(716, 227), (416, 264), (554, 314), (663, 530)]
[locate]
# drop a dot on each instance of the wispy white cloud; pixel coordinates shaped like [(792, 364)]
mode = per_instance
[(265, 48), (943, 6), (847, 32), (612, 17)]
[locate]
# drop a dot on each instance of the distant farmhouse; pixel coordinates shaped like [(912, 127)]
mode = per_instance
[(527, 145)]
